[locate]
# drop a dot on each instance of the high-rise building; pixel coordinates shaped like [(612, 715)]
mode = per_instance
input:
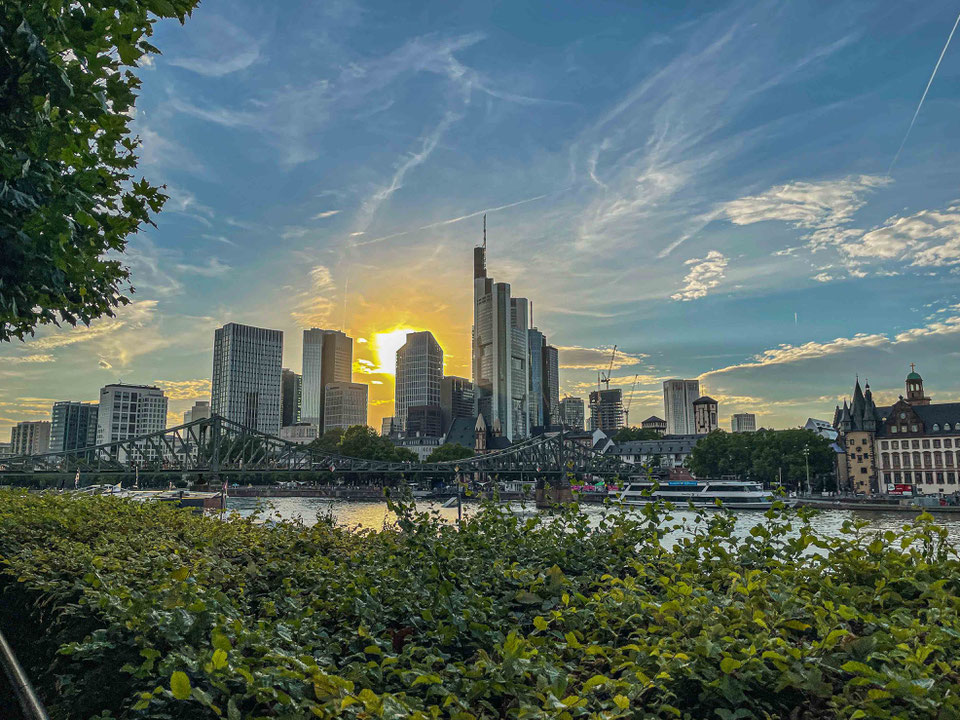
[(571, 413), (606, 410), (300, 433), (128, 411), (199, 411), (73, 425), (456, 399), (551, 385), (30, 437), (386, 427), (327, 358), (500, 354), (246, 376), (705, 412), (678, 397), (290, 390), (418, 375), (746, 422), (345, 404), (424, 421), (536, 342)]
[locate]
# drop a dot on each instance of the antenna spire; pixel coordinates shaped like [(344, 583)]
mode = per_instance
[(484, 231)]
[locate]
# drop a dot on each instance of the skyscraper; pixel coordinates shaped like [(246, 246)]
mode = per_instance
[(327, 358), (551, 385), (705, 411), (500, 355), (345, 404), (418, 375), (30, 438), (456, 399), (199, 411), (678, 397), (606, 410), (744, 422), (536, 343), (571, 413), (128, 411), (290, 389), (246, 376), (73, 425)]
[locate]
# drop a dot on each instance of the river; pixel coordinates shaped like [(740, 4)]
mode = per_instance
[(373, 515)]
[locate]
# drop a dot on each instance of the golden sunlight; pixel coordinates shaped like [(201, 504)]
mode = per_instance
[(385, 346)]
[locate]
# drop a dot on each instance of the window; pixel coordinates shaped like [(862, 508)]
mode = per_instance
[(915, 444), (936, 443), (936, 427), (951, 478), (946, 426), (913, 428), (863, 470), (883, 445), (926, 444), (893, 428), (948, 443), (903, 415), (895, 444)]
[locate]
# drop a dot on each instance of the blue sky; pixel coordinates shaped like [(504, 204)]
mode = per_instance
[(708, 186)]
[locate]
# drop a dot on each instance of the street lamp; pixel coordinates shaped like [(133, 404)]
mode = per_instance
[(806, 462)]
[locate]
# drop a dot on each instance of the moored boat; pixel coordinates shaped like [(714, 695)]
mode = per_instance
[(732, 494)]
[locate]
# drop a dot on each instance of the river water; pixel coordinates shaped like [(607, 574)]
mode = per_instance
[(375, 515)]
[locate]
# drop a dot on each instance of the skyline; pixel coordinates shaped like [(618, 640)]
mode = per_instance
[(717, 212)]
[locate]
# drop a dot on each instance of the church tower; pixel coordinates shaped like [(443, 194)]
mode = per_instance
[(915, 394)]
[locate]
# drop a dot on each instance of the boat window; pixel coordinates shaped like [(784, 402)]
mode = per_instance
[(726, 488)]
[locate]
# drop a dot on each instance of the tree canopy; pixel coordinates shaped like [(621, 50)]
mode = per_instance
[(629, 434), (361, 441), (68, 196), (450, 451), (763, 455)]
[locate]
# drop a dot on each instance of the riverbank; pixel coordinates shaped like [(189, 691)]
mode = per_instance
[(848, 504)]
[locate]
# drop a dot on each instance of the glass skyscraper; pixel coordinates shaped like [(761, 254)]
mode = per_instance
[(246, 376)]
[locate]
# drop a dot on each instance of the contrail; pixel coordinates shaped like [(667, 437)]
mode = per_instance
[(924, 96)]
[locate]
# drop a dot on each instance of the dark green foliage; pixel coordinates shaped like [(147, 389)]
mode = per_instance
[(361, 441), (68, 194), (146, 611), (629, 434), (763, 455), (450, 451)]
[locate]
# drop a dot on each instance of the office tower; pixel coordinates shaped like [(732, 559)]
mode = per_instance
[(345, 404), (128, 411), (536, 342), (424, 421), (30, 438), (606, 410), (386, 427), (705, 415), (6, 449), (744, 422), (500, 356), (571, 413), (73, 425), (418, 375), (199, 411), (456, 399), (290, 392), (551, 385), (246, 376), (678, 397), (300, 433), (327, 358)]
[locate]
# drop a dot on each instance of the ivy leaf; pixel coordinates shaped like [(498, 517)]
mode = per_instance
[(180, 685)]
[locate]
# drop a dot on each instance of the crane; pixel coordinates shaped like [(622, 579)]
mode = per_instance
[(605, 379), (626, 410)]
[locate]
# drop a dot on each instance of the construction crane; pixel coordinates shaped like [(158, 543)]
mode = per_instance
[(605, 379), (626, 410)]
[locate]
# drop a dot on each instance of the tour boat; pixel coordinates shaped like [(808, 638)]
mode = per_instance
[(733, 494)]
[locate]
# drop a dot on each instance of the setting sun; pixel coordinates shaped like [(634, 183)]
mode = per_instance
[(385, 346)]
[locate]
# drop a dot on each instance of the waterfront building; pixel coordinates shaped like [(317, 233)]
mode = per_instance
[(418, 376), (345, 405), (6, 448), (73, 425), (327, 358), (606, 410), (743, 422), (655, 423), (300, 433), (670, 451), (128, 411), (571, 413), (246, 376), (199, 411), (420, 444), (30, 437), (678, 397), (500, 354), (705, 415), (456, 400), (910, 447), (551, 385), (290, 391)]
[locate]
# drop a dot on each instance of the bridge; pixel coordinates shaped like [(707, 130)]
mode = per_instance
[(215, 445)]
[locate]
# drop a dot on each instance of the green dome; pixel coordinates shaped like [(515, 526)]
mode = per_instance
[(914, 376)]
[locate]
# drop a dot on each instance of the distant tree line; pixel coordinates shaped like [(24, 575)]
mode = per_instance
[(631, 434)]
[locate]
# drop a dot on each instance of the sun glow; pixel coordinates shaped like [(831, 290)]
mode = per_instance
[(385, 346)]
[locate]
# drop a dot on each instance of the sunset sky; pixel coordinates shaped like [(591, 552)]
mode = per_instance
[(710, 186)]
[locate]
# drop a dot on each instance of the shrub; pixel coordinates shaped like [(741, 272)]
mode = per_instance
[(141, 610)]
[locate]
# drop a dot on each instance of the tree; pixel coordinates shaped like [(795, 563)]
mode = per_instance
[(68, 196), (629, 434), (329, 442), (450, 451)]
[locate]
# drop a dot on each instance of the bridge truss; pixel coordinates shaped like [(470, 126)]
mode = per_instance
[(215, 445)]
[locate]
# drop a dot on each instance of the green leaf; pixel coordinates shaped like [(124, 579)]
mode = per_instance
[(622, 701), (729, 665), (219, 659), (540, 624), (180, 685)]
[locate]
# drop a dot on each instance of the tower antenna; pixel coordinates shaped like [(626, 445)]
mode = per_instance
[(484, 231)]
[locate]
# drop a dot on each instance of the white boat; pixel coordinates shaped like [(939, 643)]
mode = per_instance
[(733, 494)]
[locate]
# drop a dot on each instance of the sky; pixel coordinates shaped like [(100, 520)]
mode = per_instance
[(709, 186)]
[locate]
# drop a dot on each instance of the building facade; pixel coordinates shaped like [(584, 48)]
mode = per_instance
[(705, 415), (551, 385), (669, 452), (345, 404), (127, 411), (300, 433), (30, 438), (743, 422), (678, 397), (73, 425), (290, 392), (247, 362), (327, 358), (386, 427), (606, 410), (199, 411), (425, 421), (418, 377), (456, 399), (656, 424), (572, 413), (536, 342)]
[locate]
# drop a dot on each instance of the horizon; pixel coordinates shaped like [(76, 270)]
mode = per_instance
[(758, 197)]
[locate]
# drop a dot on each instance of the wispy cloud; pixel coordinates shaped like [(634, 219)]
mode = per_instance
[(27, 359), (576, 357), (185, 389), (324, 214), (225, 48), (212, 268), (705, 274), (316, 303)]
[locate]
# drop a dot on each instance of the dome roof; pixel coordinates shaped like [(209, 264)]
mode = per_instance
[(914, 376)]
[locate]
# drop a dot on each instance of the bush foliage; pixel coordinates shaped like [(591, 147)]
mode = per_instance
[(139, 610)]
